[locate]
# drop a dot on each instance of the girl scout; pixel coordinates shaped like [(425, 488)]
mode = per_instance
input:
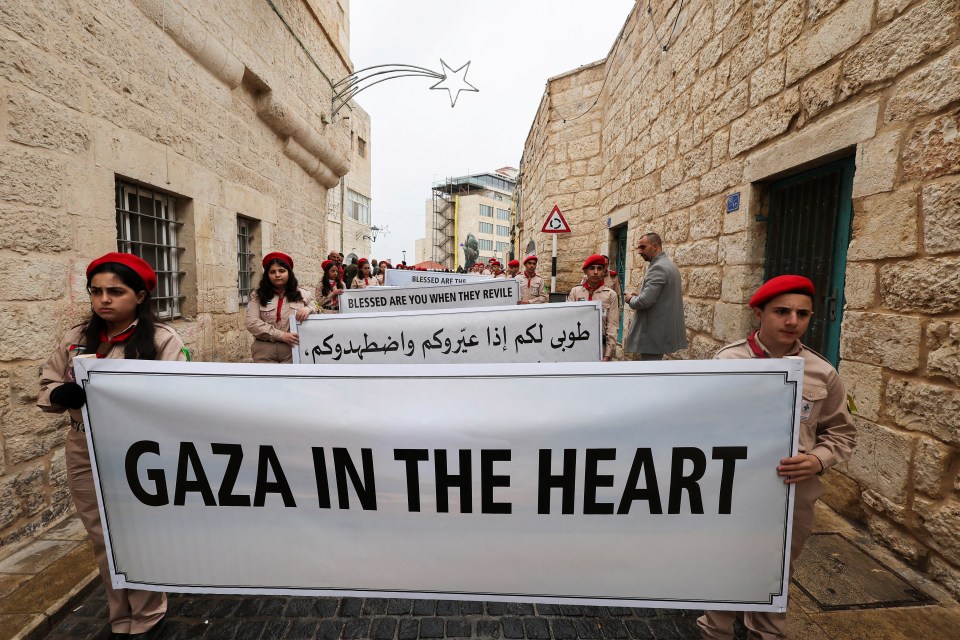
[(121, 326), (276, 298)]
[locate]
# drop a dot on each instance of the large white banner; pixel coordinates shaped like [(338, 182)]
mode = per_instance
[(564, 332), (481, 293), (628, 484), (411, 278)]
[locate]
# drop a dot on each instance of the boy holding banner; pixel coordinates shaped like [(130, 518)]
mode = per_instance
[(784, 307), (594, 288), (533, 290)]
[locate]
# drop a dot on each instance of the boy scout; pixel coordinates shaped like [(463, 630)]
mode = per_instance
[(533, 290), (593, 288), (784, 307)]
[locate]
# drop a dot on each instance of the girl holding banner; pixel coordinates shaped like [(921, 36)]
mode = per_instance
[(276, 298), (784, 307), (122, 326), (364, 278), (330, 287), (381, 277)]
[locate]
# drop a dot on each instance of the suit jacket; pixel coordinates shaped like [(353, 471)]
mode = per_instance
[(658, 324)]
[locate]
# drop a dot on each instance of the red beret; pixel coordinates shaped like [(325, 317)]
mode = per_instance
[(513, 263), (325, 265), (779, 285), (138, 264), (594, 259), (613, 273), (277, 255), (362, 261), (529, 258), (385, 262)]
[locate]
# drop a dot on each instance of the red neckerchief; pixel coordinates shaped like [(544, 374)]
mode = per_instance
[(366, 281), (530, 279), (586, 285), (279, 303), (123, 336), (755, 346)]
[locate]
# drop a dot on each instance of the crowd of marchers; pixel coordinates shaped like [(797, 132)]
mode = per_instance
[(122, 325)]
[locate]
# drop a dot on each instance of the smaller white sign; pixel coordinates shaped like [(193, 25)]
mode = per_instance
[(565, 332), (411, 278), (485, 293)]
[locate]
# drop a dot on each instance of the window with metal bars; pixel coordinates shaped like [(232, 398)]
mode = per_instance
[(147, 227), (503, 214), (486, 211), (246, 260), (486, 227), (502, 230)]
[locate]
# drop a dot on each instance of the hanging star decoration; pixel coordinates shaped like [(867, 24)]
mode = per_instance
[(454, 81)]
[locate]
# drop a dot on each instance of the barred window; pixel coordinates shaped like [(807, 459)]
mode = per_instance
[(503, 214), (486, 227), (486, 211), (358, 207), (245, 257), (147, 227), (502, 246), (485, 245), (503, 231)]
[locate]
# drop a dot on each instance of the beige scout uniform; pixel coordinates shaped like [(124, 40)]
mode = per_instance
[(131, 610), (610, 303), (532, 290), (826, 431), (329, 303), (267, 330), (360, 282), (614, 283)]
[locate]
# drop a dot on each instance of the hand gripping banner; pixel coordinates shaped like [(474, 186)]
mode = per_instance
[(628, 484)]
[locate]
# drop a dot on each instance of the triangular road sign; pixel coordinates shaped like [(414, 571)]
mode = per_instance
[(555, 222)]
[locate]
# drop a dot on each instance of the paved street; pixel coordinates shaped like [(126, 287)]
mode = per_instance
[(275, 618)]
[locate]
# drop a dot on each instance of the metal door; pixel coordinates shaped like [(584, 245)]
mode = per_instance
[(620, 266), (808, 230)]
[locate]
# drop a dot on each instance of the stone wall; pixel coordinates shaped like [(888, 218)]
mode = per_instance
[(748, 92), (213, 103)]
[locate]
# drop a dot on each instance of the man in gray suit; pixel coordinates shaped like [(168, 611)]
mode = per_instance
[(658, 325)]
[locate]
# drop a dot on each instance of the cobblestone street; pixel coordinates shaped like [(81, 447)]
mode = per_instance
[(274, 618)]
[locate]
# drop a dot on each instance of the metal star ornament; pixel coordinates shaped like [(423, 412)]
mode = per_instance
[(454, 81)]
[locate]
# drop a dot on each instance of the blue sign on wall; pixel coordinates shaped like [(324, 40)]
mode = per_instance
[(733, 202)]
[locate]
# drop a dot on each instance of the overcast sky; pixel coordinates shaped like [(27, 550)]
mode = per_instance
[(416, 138)]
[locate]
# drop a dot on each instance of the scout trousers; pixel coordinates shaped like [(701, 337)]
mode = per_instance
[(761, 625), (131, 610)]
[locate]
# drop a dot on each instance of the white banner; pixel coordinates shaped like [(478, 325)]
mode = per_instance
[(563, 332), (411, 278), (628, 484), (484, 293)]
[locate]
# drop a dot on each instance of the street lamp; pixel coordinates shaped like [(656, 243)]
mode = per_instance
[(372, 236), (404, 255)]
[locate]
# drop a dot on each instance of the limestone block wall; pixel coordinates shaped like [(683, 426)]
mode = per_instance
[(213, 103), (749, 92)]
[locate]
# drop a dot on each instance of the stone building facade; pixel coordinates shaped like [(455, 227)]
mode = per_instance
[(693, 131), (349, 204), (199, 132)]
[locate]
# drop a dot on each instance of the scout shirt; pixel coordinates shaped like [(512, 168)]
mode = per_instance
[(610, 305), (826, 427), (614, 283), (533, 290), (266, 322), (59, 368), (360, 282), (329, 303)]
